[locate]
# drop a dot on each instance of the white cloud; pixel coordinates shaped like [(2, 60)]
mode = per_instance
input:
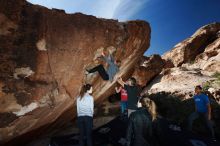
[(117, 9), (128, 8), (98, 8), (105, 9)]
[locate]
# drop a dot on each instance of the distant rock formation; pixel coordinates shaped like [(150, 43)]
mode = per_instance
[(195, 61), (209, 60), (179, 81), (187, 50), (43, 55), (191, 62)]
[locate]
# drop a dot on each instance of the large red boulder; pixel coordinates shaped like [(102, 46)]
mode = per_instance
[(43, 55)]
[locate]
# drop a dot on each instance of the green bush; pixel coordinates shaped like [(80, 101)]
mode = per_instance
[(207, 85), (217, 76)]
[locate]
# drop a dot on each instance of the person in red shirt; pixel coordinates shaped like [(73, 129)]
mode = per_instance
[(124, 98)]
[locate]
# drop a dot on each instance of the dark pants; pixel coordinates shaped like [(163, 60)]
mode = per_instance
[(195, 116), (101, 70), (85, 130)]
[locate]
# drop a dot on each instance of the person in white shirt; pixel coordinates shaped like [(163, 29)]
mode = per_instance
[(85, 110)]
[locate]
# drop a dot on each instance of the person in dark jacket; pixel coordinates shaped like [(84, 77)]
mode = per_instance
[(139, 132), (132, 91)]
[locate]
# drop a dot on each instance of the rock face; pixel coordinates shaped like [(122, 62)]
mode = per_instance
[(179, 81), (147, 69), (209, 60), (197, 61), (187, 50), (43, 54)]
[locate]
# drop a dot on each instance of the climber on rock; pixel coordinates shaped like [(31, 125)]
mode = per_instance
[(112, 69)]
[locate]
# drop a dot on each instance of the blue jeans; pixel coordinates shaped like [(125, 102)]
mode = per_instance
[(195, 116), (85, 124), (124, 105)]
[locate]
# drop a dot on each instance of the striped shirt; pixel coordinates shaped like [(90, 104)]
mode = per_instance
[(85, 106)]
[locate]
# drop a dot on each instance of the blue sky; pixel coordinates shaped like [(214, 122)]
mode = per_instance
[(171, 20)]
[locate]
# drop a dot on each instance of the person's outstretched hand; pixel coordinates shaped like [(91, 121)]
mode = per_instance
[(103, 54)]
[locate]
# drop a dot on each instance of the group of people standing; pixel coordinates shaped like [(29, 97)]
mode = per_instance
[(139, 130), (129, 98)]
